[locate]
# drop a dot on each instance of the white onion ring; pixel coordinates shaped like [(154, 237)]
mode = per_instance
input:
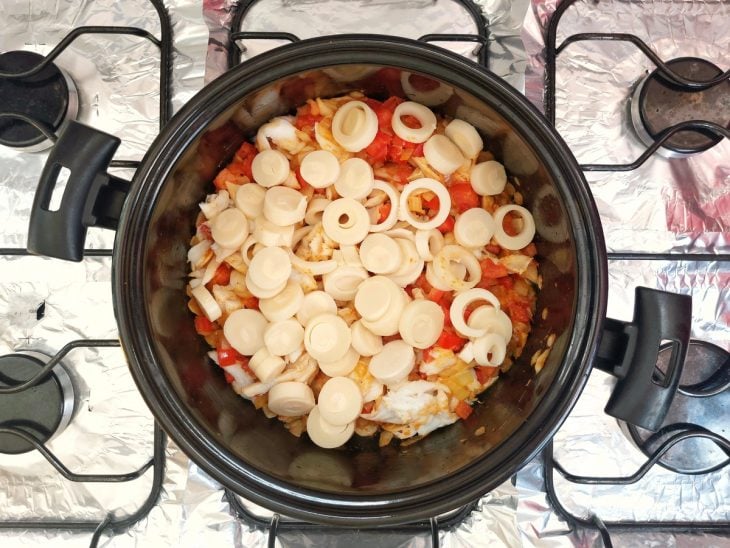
[(248, 244), (392, 217), (424, 239), (315, 209), (435, 281), (420, 112), (459, 304), (526, 234), (438, 189), (315, 268), (443, 271), (491, 343)]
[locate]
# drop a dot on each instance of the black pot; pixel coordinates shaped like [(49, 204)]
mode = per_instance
[(361, 484)]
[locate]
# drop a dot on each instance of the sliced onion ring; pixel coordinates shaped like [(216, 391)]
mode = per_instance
[(425, 184), (422, 113), (443, 271), (392, 217), (459, 304), (429, 243), (491, 343), (315, 268), (526, 234)]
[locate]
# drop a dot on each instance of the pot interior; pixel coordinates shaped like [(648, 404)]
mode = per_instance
[(248, 442)]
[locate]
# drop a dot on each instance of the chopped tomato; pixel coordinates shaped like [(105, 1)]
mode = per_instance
[(418, 151), (391, 102), (378, 149), (450, 341), (485, 373), (302, 183), (427, 357), (422, 283), (229, 377), (226, 356), (463, 197), (245, 150), (446, 307), (367, 408), (435, 295), (205, 231), (447, 225), (222, 275), (491, 269), (432, 204), (494, 249), (519, 312), (203, 326), (391, 338), (401, 172), (384, 211), (251, 302), (306, 121), (463, 409)]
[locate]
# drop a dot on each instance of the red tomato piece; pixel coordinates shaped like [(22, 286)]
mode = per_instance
[(432, 204), (384, 211), (485, 373), (203, 326), (490, 269), (448, 225), (463, 410), (229, 377), (251, 302), (463, 197), (435, 295), (222, 275), (449, 340), (226, 356), (368, 407), (378, 149)]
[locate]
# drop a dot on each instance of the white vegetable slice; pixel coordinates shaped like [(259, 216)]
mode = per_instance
[(265, 365), (299, 233), (354, 126), (261, 292), (229, 228), (315, 268), (270, 235), (315, 209), (380, 254), (283, 337), (270, 168), (364, 341), (214, 204), (459, 304), (442, 154), (327, 337), (474, 227), (392, 217), (320, 168), (280, 130), (388, 324), (421, 323), (411, 264), (356, 179), (346, 221), (341, 367), (269, 268), (444, 271), (422, 113), (488, 178), (526, 234), (291, 399), (284, 206), (284, 305), (343, 282), (434, 280), (314, 304), (348, 254), (244, 329), (248, 249), (207, 302), (250, 200), (493, 320), (198, 252), (375, 296), (490, 350), (429, 243), (393, 363), (339, 401), (422, 185), (325, 435), (429, 97), (465, 136)]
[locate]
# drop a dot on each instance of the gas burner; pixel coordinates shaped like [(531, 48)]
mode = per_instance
[(42, 411), (48, 97), (701, 406), (658, 104)]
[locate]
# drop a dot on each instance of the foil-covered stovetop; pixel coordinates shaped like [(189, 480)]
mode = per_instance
[(662, 207)]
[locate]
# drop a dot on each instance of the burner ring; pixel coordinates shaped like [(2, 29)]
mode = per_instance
[(699, 406), (41, 411), (49, 96), (658, 104)]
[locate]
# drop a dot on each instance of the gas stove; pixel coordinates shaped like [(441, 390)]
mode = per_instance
[(639, 91)]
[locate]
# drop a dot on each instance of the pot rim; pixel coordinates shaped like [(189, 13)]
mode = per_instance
[(413, 503)]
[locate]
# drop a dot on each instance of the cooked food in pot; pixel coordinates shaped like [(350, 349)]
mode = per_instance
[(365, 268)]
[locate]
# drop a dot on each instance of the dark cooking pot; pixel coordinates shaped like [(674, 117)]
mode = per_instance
[(360, 484)]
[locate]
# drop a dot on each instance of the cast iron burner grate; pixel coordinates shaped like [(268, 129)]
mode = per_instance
[(47, 97), (25, 127)]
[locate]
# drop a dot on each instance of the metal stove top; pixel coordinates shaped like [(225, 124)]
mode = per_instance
[(111, 478)]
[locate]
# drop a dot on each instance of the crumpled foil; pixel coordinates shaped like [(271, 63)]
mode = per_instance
[(112, 431)]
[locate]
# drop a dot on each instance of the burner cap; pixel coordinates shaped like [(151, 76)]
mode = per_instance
[(48, 97), (703, 401), (658, 104), (42, 410)]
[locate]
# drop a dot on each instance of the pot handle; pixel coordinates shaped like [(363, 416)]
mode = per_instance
[(92, 197), (629, 351)]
